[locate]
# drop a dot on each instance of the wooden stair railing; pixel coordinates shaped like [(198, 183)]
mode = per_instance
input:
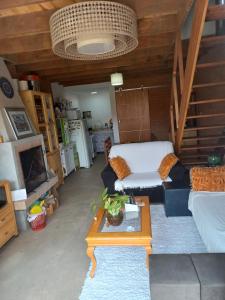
[(193, 51), (178, 69), (198, 125)]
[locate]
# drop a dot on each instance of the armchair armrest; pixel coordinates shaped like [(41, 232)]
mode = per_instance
[(109, 177)]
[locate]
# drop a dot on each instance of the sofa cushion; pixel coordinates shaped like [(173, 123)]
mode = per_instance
[(120, 167), (142, 157), (211, 179), (211, 273), (166, 165), (173, 276), (139, 180)]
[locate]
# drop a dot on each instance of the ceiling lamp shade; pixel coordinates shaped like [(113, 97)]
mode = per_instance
[(93, 30), (116, 79)]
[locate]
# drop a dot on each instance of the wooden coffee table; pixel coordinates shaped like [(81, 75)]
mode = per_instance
[(141, 237)]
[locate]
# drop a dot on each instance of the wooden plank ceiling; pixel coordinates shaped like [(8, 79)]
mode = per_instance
[(25, 41)]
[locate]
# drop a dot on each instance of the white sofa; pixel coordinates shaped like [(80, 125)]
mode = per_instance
[(208, 210), (144, 160)]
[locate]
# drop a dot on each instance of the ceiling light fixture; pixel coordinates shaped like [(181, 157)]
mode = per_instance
[(94, 93), (93, 30), (116, 79)]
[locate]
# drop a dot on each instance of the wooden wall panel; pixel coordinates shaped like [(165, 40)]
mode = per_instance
[(133, 115), (159, 102)]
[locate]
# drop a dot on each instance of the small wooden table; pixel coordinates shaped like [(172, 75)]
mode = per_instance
[(140, 238)]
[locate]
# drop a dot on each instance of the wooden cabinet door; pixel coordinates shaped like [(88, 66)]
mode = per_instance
[(133, 116)]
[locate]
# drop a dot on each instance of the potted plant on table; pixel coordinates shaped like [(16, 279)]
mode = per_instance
[(114, 206)]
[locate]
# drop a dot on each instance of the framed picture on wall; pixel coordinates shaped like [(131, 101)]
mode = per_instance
[(19, 122)]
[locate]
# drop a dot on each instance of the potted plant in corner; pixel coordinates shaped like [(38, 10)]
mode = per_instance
[(114, 206)]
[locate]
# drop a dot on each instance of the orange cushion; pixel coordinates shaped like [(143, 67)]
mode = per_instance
[(120, 167), (211, 179), (166, 165)]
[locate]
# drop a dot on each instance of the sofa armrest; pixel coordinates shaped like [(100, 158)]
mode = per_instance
[(109, 177)]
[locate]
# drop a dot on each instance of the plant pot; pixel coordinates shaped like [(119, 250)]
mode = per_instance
[(115, 220)]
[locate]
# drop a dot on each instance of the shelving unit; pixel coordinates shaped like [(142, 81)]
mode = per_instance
[(40, 109), (8, 226)]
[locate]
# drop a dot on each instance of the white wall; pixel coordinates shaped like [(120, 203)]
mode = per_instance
[(99, 105), (70, 94), (102, 105), (5, 126)]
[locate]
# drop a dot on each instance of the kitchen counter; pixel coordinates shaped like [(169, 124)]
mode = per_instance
[(99, 138)]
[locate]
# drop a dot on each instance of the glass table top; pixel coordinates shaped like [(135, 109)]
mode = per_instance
[(131, 223)]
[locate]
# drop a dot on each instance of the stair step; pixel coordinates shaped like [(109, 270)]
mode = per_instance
[(206, 101), (212, 40), (204, 162), (206, 116), (187, 148), (196, 155), (208, 84), (211, 64), (204, 138), (215, 12), (204, 127)]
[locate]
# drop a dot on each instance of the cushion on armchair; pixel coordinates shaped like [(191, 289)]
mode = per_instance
[(120, 167), (166, 165)]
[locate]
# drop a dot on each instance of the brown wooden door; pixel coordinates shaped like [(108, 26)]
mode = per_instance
[(133, 115)]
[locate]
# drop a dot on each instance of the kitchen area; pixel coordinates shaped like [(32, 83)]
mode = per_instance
[(84, 122)]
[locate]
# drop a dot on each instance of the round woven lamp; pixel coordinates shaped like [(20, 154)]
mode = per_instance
[(93, 30)]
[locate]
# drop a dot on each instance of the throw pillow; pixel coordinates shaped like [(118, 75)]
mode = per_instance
[(120, 167), (166, 164), (211, 179)]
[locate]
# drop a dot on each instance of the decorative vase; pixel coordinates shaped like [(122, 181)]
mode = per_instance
[(214, 159), (115, 220)]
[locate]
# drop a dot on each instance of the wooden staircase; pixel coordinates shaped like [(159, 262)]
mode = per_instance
[(197, 109)]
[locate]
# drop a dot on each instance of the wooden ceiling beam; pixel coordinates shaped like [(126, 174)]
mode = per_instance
[(23, 44), (128, 71), (162, 77), (154, 25), (20, 26), (89, 68), (42, 41), (31, 24), (5, 4), (46, 58)]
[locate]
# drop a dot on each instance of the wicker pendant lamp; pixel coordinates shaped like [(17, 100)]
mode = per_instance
[(93, 30)]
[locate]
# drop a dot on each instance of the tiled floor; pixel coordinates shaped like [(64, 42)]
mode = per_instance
[(52, 264)]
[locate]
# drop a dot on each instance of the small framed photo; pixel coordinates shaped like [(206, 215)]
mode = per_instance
[(20, 122)]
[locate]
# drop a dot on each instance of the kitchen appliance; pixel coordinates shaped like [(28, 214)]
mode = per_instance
[(79, 135), (63, 131), (73, 114), (67, 158)]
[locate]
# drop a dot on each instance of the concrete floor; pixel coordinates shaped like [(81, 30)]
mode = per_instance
[(52, 264)]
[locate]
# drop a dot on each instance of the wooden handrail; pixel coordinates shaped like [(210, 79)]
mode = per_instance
[(180, 60), (193, 51)]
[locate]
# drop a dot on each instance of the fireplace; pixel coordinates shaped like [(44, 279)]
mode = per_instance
[(33, 167), (23, 163)]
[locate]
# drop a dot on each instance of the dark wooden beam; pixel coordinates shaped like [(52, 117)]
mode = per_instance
[(33, 23), (21, 25), (5, 4), (42, 41), (25, 44)]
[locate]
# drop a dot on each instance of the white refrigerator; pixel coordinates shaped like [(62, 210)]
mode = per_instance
[(80, 136)]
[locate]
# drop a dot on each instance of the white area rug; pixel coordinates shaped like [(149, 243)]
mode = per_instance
[(121, 272)]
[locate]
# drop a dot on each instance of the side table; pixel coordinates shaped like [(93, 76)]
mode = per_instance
[(176, 196)]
